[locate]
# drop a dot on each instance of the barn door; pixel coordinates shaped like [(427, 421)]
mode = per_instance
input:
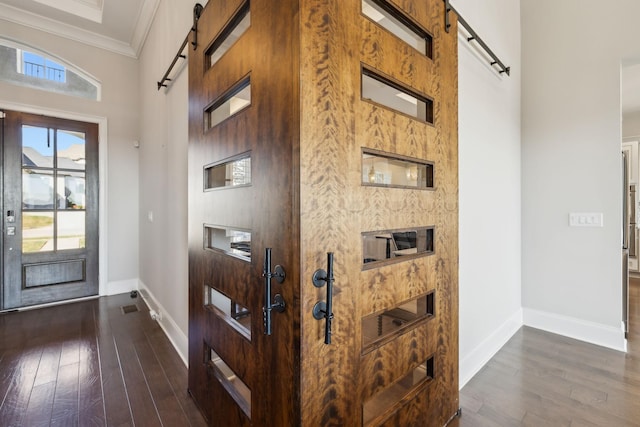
[(379, 190), (242, 216)]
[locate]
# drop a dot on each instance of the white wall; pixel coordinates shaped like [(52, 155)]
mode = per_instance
[(631, 124), (163, 172), (119, 105), (571, 133), (489, 164)]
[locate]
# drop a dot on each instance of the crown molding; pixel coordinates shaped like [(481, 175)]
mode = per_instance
[(143, 25), (90, 38)]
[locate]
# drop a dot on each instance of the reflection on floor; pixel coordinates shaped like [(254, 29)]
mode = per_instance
[(91, 363)]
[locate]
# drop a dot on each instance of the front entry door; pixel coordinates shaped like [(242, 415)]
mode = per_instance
[(50, 209)]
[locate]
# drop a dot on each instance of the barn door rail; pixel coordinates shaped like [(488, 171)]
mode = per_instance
[(324, 309), (474, 37), (197, 11)]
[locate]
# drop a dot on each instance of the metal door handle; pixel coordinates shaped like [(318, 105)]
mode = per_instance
[(278, 303), (324, 309)]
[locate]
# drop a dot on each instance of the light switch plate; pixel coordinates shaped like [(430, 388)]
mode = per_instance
[(586, 219)]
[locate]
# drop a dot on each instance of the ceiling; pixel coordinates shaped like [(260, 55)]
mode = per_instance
[(120, 26)]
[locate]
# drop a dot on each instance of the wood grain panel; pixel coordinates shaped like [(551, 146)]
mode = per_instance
[(330, 164), (380, 286), (336, 125)]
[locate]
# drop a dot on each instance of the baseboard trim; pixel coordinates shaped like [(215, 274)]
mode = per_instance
[(177, 338), (121, 287), (583, 330), (479, 356)]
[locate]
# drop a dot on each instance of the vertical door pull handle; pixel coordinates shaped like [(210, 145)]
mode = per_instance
[(278, 303), (324, 309)]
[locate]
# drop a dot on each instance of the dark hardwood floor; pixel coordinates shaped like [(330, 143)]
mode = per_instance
[(89, 364), (541, 379)]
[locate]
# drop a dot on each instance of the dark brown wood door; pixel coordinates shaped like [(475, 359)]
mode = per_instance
[(241, 203), (50, 209)]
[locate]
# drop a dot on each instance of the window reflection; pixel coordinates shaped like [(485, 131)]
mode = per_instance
[(236, 28), (37, 189), (382, 91), (70, 230), (231, 382), (235, 314), (70, 148), (375, 327), (380, 169), (53, 181), (387, 16), (378, 246), (231, 241), (71, 190), (392, 395), (233, 102), (37, 232), (229, 174)]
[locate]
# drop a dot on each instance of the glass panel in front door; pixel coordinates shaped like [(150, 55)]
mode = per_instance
[(53, 189)]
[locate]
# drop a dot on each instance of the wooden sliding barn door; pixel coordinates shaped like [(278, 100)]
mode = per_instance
[(379, 189), (320, 132), (242, 201)]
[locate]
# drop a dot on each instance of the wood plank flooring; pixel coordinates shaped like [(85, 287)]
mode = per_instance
[(89, 364), (542, 379)]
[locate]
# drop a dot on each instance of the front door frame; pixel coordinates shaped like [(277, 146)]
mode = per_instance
[(102, 179)]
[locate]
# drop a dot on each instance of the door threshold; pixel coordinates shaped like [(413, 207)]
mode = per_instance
[(49, 304)]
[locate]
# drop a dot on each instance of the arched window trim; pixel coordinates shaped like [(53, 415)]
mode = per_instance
[(20, 47)]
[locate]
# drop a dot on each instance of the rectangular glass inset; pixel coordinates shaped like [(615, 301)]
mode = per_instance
[(232, 102), (375, 327), (230, 241), (229, 174), (37, 232), (71, 190), (381, 246), (70, 149), (392, 95), (387, 16), (237, 389), (393, 395), (235, 314), (386, 170), (230, 34), (37, 189), (70, 230), (37, 147)]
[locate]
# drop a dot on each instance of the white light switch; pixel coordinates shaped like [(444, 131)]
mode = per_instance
[(150, 216), (586, 219)]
